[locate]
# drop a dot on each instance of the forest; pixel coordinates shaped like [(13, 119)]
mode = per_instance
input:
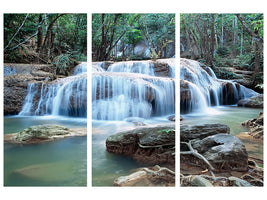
[(59, 39), (116, 36), (225, 41)]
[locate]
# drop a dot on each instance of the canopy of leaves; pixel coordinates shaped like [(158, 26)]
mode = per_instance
[(121, 32), (224, 40), (39, 38)]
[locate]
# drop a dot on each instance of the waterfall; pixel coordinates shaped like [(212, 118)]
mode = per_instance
[(200, 88), (142, 67), (80, 69), (64, 96), (131, 89), (28, 103)]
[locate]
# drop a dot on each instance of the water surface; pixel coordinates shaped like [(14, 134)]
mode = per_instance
[(106, 167), (58, 163)]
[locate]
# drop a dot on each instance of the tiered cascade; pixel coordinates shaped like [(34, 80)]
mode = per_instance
[(64, 96), (200, 88), (131, 89)]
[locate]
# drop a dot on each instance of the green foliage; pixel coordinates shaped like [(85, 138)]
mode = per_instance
[(62, 61), (166, 131), (68, 34), (222, 51), (134, 36), (124, 31)]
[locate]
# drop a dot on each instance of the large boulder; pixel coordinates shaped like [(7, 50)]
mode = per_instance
[(252, 102), (223, 151), (149, 144), (190, 132)]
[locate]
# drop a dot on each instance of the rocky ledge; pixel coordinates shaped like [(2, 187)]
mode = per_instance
[(16, 84), (253, 102), (149, 144), (255, 126), (42, 133)]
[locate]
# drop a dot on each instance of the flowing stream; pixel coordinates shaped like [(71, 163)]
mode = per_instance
[(122, 92), (59, 163)]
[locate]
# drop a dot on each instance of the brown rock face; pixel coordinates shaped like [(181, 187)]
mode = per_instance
[(162, 69), (15, 91), (15, 86), (255, 126), (150, 144)]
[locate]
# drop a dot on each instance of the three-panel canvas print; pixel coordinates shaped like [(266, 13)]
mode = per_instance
[(156, 104)]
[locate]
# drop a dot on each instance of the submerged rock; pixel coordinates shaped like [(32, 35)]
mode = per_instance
[(252, 102), (42, 133), (149, 144), (155, 176)]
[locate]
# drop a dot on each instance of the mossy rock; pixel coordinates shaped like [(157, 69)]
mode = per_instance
[(41, 132)]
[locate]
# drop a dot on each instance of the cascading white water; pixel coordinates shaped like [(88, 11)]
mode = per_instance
[(27, 106), (80, 69), (65, 96), (142, 67), (131, 89), (203, 89)]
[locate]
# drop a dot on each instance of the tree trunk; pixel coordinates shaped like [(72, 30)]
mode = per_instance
[(212, 43), (40, 35)]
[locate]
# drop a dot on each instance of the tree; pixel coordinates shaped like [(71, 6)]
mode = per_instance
[(40, 38), (123, 31), (224, 40)]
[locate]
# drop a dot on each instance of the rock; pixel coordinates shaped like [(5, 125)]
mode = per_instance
[(255, 126), (50, 172), (229, 93), (253, 102), (223, 151), (171, 118), (15, 85), (149, 144), (194, 180), (200, 181), (15, 91), (163, 68), (42, 133), (234, 181), (142, 50), (137, 121), (155, 176), (190, 132), (181, 119)]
